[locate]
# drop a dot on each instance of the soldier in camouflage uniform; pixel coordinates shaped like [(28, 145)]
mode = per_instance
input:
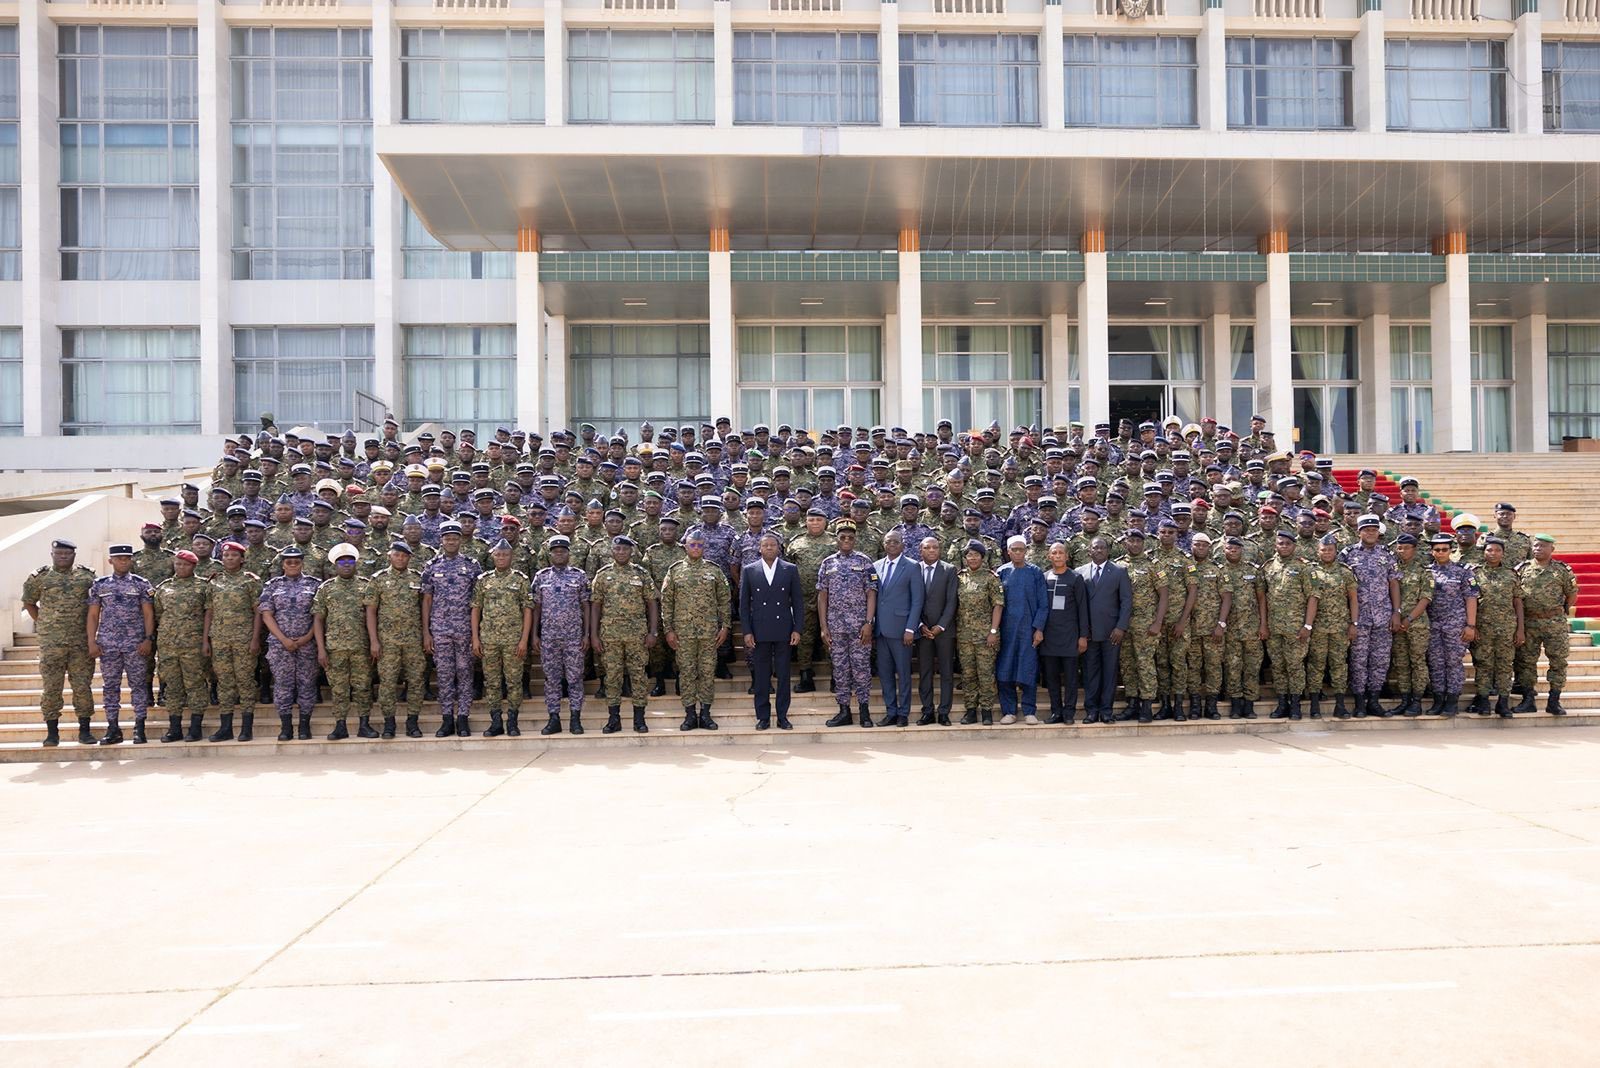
[(980, 602), (1519, 547), (807, 552), (847, 601), (623, 624), (1377, 614), (393, 602), (1408, 665), (1172, 654), (1549, 593), (1150, 580), (1246, 628), (1289, 594), (122, 623), (180, 609), (695, 615), (233, 639), (285, 608), (56, 597), (1500, 609), (152, 563), (339, 621), (502, 622), (1452, 625), (560, 618), (447, 628), (1328, 649), (658, 559), (1202, 624)]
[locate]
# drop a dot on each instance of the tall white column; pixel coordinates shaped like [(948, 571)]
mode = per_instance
[(555, 373), (1375, 431), (1368, 90), (889, 63), (387, 369), (1212, 72), (1055, 80), (1094, 360), (1274, 381), (722, 357), (1058, 371), (40, 162), (1530, 396), (1216, 346), (722, 61), (1450, 314), (531, 334), (216, 220), (1525, 66), (555, 64), (905, 389)]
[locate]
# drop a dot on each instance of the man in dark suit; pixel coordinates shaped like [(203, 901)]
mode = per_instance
[(936, 641), (1110, 595), (771, 609), (899, 616), (1066, 635)]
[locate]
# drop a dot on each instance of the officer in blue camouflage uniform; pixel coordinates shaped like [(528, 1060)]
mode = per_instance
[(447, 628), (1452, 626), (122, 620), (560, 616), (285, 607), (1377, 613), (847, 600)]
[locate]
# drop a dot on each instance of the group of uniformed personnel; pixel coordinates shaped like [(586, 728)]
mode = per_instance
[(408, 568)]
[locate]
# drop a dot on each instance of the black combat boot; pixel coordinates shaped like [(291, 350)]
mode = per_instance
[(575, 723), (1236, 708), (613, 720), (639, 725), (1294, 706), (513, 728), (224, 731), (1526, 704), (1281, 710), (1412, 706), (691, 718), (304, 731), (174, 729), (1178, 714), (340, 732), (723, 671), (1553, 705), (247, 730), (388, 728), (1361, 707), (1451, 706), (843, 718), (659, 687), (285, 729), (553, 725), (1480, 704), (1438, 704), (447, 727), (413, 727), (1143, 711), (1248, 706), (1316, 702), (85, 735), (138, 732), (463, 727), (1374, 708), (52, 733), (112, 736), (865, 714), (364, 728), (196, 727), (967, 720), (496, 727), (706, 722), (1340, 712), (808, 682), (1211, 708), (1502, 706)]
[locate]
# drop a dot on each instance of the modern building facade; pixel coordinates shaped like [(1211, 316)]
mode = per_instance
[(1376, 222)]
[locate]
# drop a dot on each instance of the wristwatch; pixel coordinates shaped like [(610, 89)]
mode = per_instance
[(993, 631), (1306, 627)]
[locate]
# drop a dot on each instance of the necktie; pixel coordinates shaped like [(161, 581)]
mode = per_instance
[(1095, 575), (927, 575)]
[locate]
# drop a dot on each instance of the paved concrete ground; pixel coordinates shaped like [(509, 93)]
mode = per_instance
[(1304, 898)]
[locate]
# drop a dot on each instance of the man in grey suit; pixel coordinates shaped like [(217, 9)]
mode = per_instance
[(1110, 596), (936, 641), (899, 616)]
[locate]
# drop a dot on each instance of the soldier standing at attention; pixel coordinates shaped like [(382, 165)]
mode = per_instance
[(180, 609), (152, 563), (394, 635), (1500, 608), (980, 602), (806, 552), (695, 614), (1328, 651), (1206, 627), (1452, 625), (560, 614), (622, 628), (120, 628), (233, 639), (1549, 594), (1377, 615), (1291, 614), (1408, 667), (658, 560), (285, 608), (847, 602), (1150, 580), (1519, 547), (339, 621), (447, 628), (1246, 625), (502, 620), (56, 598)]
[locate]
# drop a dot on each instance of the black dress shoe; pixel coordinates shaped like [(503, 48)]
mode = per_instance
[(944, 719), (784, 724), (762, 725), (842, 718), (1053, 718), (925, 720)]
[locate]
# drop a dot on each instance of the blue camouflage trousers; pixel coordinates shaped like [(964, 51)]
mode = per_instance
[(452, 657), (1445, 653), (294, 678), (114, 663), (562, 660), (852, 664), (1369, 656)]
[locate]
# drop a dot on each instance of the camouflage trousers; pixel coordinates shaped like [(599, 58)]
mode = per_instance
[(1328, 656), (1287, 654), (1492, 659), (58, 664), (294, 677), (852, 664), (622, 656), (1242, 665), (810, 635), (662, 660), (562, 661), (1408, 659), (452, 658), (1369, 656), (235, 666), (502, 677), (697, 668), (1172, 663), (114, 663), (348, 672), (977, 674), (183, 678), (1446, 652), (1141, 677), (1553, 637), (402, 658), (1203, 668)]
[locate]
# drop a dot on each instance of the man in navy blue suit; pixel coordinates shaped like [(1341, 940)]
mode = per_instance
[(771, 609), (1110, 596), (899, 614)]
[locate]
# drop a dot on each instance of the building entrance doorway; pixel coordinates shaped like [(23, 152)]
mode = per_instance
[(1138, 403)]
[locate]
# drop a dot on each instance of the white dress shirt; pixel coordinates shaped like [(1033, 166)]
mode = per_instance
[(771, 570)]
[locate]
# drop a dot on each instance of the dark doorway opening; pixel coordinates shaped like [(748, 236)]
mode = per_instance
[(1138, 403)]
